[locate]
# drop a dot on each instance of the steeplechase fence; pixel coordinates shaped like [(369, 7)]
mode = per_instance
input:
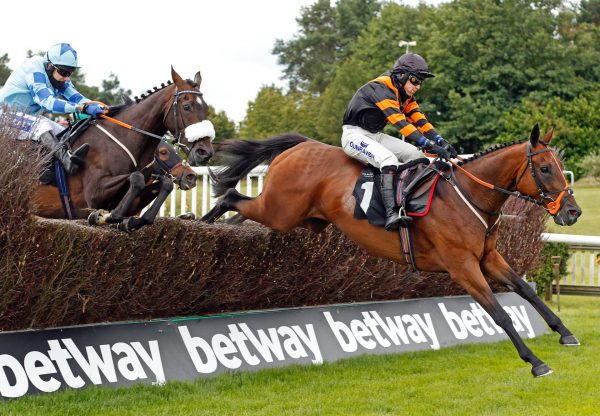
[(583, 271)]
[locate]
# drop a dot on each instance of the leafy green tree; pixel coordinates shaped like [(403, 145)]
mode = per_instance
[(590, 165), (224, 126), (590, 11), (325, 37), (576, 123), (273, 112), (4, 69), (491, 55)]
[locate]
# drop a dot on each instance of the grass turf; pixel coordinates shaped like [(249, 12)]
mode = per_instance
[(484, 379), (588, 198)]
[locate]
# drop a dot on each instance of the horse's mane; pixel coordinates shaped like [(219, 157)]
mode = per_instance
[(116, 109), (148, 93), (489, 150)]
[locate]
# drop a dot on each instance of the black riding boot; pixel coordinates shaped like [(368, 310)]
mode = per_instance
[(70, 161), (386, 186)]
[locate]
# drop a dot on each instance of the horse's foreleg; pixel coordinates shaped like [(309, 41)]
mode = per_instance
[(134, 223), (136, 186), (470, 277), (495, 267)]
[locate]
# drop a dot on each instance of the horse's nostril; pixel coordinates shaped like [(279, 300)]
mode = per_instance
[(192, 178)]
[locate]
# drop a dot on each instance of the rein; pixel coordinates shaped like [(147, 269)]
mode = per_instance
[(185, 148), (551, 207), (130, 127)]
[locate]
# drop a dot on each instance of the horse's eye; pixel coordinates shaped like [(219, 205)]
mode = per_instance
[(163, 152), (544, 169), (187, 107)]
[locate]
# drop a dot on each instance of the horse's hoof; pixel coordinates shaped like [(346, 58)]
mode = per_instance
[(541, 370), (98, 217), (124, 226), (94, 218), (187, 216), (569, 341)]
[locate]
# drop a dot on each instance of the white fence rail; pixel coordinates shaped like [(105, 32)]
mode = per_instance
[(584, 266), (200, 199)]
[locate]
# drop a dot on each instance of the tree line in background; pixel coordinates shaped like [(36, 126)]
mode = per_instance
[(501, 66)]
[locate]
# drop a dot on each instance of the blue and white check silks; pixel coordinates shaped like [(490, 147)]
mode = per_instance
[(28, 90)]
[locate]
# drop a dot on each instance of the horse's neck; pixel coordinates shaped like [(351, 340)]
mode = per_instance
[(499, 168), (149, 113)]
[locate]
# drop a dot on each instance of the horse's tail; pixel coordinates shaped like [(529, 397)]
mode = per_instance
[(241, 156)]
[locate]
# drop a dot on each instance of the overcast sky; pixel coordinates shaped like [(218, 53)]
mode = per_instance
[(229, 41)]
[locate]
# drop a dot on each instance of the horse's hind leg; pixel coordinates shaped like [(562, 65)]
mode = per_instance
[(495, 267), (225, 204), (276, 210), (470, 277)]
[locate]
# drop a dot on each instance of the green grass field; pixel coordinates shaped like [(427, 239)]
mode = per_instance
[(486, 379), (588, 198)]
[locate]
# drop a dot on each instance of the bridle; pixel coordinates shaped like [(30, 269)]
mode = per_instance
[(173, 108), (165, 167), (552, 206), (185, 148)]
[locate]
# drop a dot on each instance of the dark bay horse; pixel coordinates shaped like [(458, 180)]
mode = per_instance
[(310, 184), (116, 152)]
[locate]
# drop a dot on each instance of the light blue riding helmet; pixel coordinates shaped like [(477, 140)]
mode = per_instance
[(62, 55)]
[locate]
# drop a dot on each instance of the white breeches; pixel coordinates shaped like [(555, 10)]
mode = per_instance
[(377, 149)]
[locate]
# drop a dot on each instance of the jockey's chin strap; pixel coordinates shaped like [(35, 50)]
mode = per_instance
[(552, 206), (185, 148)]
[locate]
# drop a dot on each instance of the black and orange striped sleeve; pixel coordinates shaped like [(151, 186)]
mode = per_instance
[(415, 116), (385, 97)]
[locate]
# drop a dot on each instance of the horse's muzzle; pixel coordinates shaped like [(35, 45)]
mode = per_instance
[(568, 214), (200, 155), (188, 181)]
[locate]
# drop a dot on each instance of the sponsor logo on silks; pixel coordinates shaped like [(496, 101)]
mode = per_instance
[(22, 123), (361, 149), (363, 144)]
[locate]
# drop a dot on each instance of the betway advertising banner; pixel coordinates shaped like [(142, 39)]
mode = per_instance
[(156, 352)]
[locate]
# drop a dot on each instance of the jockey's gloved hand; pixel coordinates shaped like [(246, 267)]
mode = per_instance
[(431, 147), (93, 109), (439, 140)]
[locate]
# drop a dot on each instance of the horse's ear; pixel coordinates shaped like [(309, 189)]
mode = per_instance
[(535, 135), (198, 79), (175, 76), (549, 136)]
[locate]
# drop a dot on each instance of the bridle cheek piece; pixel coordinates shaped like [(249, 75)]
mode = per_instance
[(553, 205)]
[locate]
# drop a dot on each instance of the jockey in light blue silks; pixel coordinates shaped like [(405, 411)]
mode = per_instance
[(42, 85)]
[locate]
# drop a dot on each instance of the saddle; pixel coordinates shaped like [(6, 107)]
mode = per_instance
[(71, 133), (414, 183)]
